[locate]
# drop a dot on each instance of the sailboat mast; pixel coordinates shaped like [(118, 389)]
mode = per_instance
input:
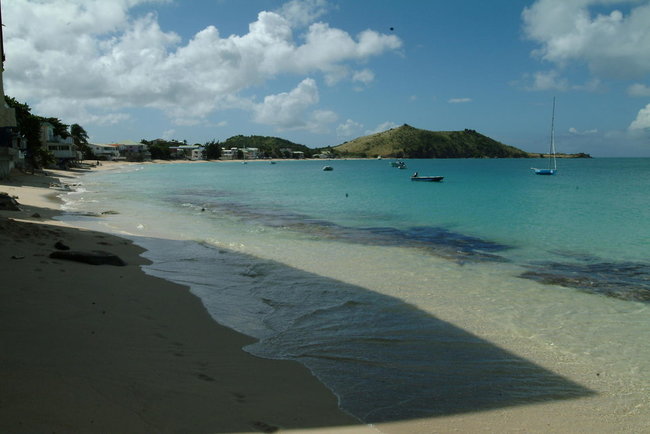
[(552, 156)]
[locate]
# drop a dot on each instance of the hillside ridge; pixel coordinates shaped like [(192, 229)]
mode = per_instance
[(409, 142)]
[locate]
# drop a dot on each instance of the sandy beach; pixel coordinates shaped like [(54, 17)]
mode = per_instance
[(104, 348)]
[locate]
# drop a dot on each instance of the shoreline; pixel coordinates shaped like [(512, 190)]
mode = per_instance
[(101, 348)]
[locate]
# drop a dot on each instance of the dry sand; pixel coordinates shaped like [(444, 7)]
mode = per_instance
[(101, 348)]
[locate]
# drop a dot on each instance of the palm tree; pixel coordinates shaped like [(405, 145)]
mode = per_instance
[(80, 138)]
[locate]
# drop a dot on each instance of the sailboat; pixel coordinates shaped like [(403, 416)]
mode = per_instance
[(552, 165)]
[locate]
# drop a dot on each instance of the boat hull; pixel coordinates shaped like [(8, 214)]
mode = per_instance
[(427, 178), (544, 171)]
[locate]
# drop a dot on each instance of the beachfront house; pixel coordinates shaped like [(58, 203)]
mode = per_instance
[(187, 152), (10, 154), (108, 152), (229, 154), (132, 151), (251, 153), (62, 149), (240, 154)]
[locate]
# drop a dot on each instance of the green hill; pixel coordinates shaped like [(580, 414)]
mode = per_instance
[(409, 142), (273, 147)]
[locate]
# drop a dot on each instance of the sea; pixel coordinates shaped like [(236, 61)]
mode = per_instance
[(493, 288)]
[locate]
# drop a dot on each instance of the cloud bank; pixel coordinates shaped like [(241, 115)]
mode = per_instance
[(610, 44), (92, 60)]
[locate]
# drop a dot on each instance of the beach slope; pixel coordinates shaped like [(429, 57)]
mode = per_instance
[(105, 348)]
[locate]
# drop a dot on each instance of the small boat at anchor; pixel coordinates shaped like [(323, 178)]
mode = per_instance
[(327, 168), (416, 177), (552, 164)]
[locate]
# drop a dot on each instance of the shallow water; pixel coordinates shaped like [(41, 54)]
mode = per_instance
[(493, 288)]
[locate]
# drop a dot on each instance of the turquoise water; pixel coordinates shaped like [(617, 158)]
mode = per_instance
[(494, 288)]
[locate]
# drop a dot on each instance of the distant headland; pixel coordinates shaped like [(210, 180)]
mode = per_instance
[(409, 142)]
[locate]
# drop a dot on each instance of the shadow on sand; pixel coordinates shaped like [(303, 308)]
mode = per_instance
[(385, 359)]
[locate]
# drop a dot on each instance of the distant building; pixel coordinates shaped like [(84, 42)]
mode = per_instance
[(63, 149), (187, 152), (251, 153), (235, 153), (106, 152), (229, 154), (10, 154), (132, 151)]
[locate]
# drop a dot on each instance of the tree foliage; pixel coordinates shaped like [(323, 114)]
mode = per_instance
[(269, 147), (159, 148), (80, 139), (29, 127), (213, 150)]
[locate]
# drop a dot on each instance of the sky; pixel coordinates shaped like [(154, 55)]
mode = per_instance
[(323, 72)]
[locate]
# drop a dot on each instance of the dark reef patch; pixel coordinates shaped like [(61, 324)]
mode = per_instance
[(624, 280), (437, 241)]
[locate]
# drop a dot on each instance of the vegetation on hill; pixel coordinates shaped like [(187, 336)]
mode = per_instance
[(560, 155), (409, 142), (269, 147)]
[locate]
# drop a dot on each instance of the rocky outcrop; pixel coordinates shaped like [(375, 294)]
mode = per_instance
[(8, 203), (93, 258)]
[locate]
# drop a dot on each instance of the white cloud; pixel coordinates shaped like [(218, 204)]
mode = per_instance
[(349, 129), (97, 56), (547, 80), (577, 132), (319, 121), (638, 89), (365, 76), (290, 110), (611, 44), (303, 12), (383, 127), (642, 121), (552, 80), (459, 100), (168, 134)]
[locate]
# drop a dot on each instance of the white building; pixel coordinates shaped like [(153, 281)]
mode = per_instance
[(133, 151), (189, 152), (63, 150), (10, 155), (229, 154), (105, 152), (251, 153), (9, 152), (245, 153)]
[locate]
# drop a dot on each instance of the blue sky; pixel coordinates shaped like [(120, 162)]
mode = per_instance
[(321, 72)]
